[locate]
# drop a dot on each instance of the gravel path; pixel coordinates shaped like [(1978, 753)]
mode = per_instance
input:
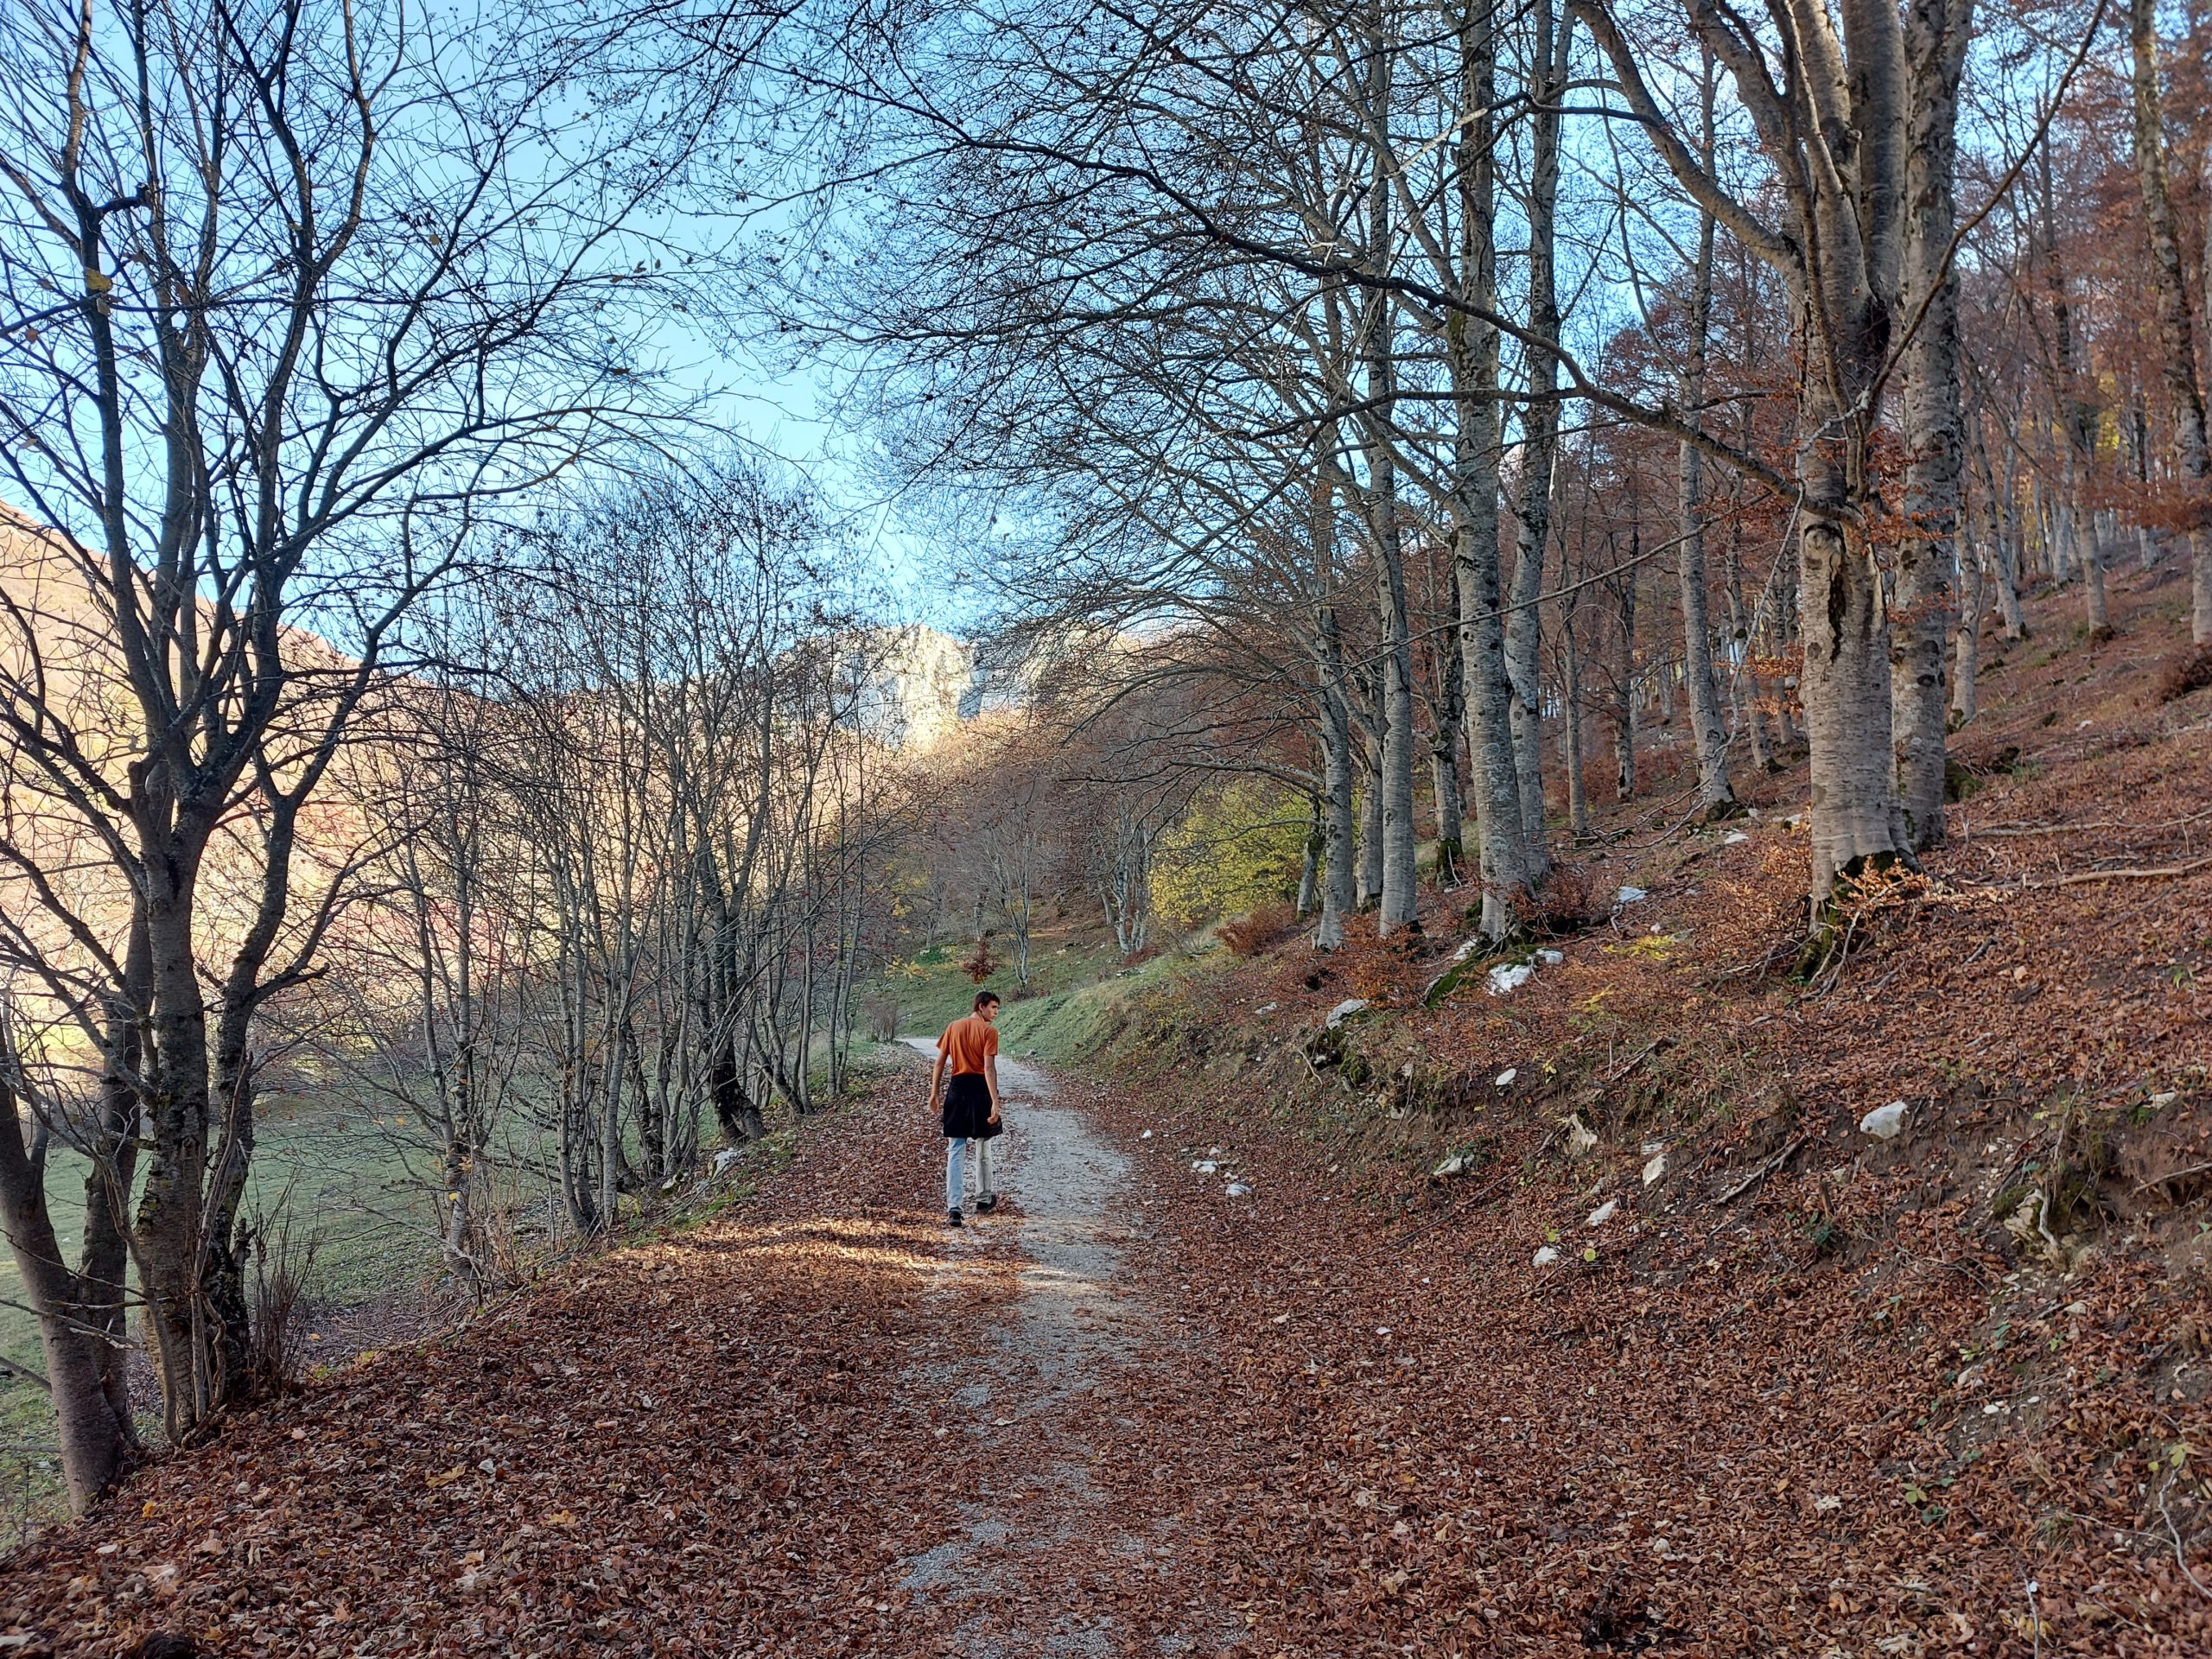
[(1039, 1405)]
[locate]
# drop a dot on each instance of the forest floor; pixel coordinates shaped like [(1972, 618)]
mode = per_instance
[(1128, 1415), (1584, 1319)]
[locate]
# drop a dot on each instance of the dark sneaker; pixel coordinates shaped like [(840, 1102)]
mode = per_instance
[(952, 1217), (985, 1205)]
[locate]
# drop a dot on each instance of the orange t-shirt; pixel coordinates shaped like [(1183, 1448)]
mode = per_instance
[(968, 1043)]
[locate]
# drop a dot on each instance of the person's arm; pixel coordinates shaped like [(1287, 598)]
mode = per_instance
[(937, 1077), (991, 1077)]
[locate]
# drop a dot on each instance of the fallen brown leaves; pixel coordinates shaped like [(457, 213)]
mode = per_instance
[(1832, 1411), (1812, 1404), (707, 1444)]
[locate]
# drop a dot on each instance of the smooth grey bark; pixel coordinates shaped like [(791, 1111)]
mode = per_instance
[(1309, 863), (1333, 701), (1743, 683), (77, 1311), (1834, 124), (2178, 358), (1997, 541), (2076, 542), (1539, 427), (2090, 544), (1369, 796), (1783, 632), (1448, 717), (1570, 735), (1339, 897), (1392, 791), (1936, 35), (1966, 649), (1709, 731), (1473, 360)]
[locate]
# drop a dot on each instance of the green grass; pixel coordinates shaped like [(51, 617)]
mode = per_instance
[(929, 991), (1076, 1023)]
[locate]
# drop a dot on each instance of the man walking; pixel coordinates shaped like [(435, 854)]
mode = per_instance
[(970, 1048)]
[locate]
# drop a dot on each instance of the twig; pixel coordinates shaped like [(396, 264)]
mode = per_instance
[(1648, 1051), (2011, 829), (10, 1368), (1763, 1171), (2181, 1558), (2156, 873), (1451, 1212), (2173, 1175)]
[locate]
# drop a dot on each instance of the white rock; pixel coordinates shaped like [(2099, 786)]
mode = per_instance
[(726, 1159), (1213, 1151), (1266, 1008), (1578, 1138), (1510, 976), (1733, 838), (1147, 1135), (1455, 1165), (1545, 1257), (1650, 1147), (1827, 1505), (1236, 1190), (1630, 896), (1885, 1122), (1508, 1075), (2166, 1098), (1468, 949), (1655, 1169), (1204, 1167), (1603, 1213), (1345, 1009), (1551, 958)]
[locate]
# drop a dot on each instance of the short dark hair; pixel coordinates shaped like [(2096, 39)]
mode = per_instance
[(982, 997)]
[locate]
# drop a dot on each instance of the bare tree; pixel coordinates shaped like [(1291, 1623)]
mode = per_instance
[(302, 293)]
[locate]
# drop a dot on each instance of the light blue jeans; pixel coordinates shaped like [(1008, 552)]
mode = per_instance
[(955, 1174)]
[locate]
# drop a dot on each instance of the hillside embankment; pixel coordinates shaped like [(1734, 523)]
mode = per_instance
[(1582, 1317)]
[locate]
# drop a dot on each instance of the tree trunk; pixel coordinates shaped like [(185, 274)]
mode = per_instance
[(1743, 683), (1856, 824), (1708, 732), (1309, 863), (1625, 678), (1539, 430), (96, 1437), (1571, 758), (1371, 816), (1450, 806), (170, 1205), (1392, 814), (2177, 364), (1997, 540), (1392, 817), (1448, 717), (1936, 34), (1972, 585), (1338, 896), (2091, 544), (1471, 354)]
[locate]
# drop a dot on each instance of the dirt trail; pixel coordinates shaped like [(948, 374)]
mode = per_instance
[(1038, 1406)]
